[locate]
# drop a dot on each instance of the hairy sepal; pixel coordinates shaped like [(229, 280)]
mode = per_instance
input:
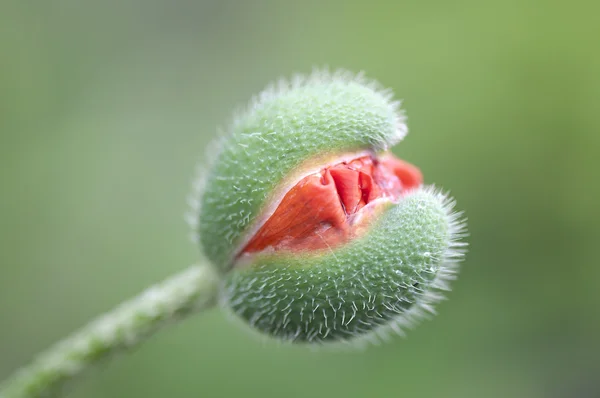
[(319, 116), (379, 283)]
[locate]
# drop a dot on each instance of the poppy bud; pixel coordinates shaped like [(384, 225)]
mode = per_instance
[(320, 232)]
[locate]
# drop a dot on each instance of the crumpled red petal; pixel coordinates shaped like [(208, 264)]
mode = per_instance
[(320, 211)]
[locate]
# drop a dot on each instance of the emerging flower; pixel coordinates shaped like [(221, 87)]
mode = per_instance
[(332, 206), (321, 234)]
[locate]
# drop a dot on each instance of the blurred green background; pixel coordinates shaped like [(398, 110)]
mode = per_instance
[(106, 107)]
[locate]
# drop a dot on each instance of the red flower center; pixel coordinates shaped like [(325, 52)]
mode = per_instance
[(327, 208)]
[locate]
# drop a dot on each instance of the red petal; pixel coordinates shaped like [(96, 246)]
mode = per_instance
[(316, 213), (410, 176), (348, 189)]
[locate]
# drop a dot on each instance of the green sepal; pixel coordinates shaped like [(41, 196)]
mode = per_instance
[(285, 126), (381, 281)]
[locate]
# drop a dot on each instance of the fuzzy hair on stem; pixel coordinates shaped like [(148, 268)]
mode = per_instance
[(50, 374)]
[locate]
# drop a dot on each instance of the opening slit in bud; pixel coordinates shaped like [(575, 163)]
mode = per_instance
[(328, 208)]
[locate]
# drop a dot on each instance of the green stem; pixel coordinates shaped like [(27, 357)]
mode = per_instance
[(131, 323)]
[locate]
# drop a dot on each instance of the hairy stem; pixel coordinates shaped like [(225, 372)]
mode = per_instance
[(128, 325)]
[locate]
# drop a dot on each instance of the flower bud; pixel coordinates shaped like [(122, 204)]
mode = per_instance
[(320, 232)]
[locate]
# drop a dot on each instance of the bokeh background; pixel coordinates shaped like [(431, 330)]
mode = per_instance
[(106, 107)]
